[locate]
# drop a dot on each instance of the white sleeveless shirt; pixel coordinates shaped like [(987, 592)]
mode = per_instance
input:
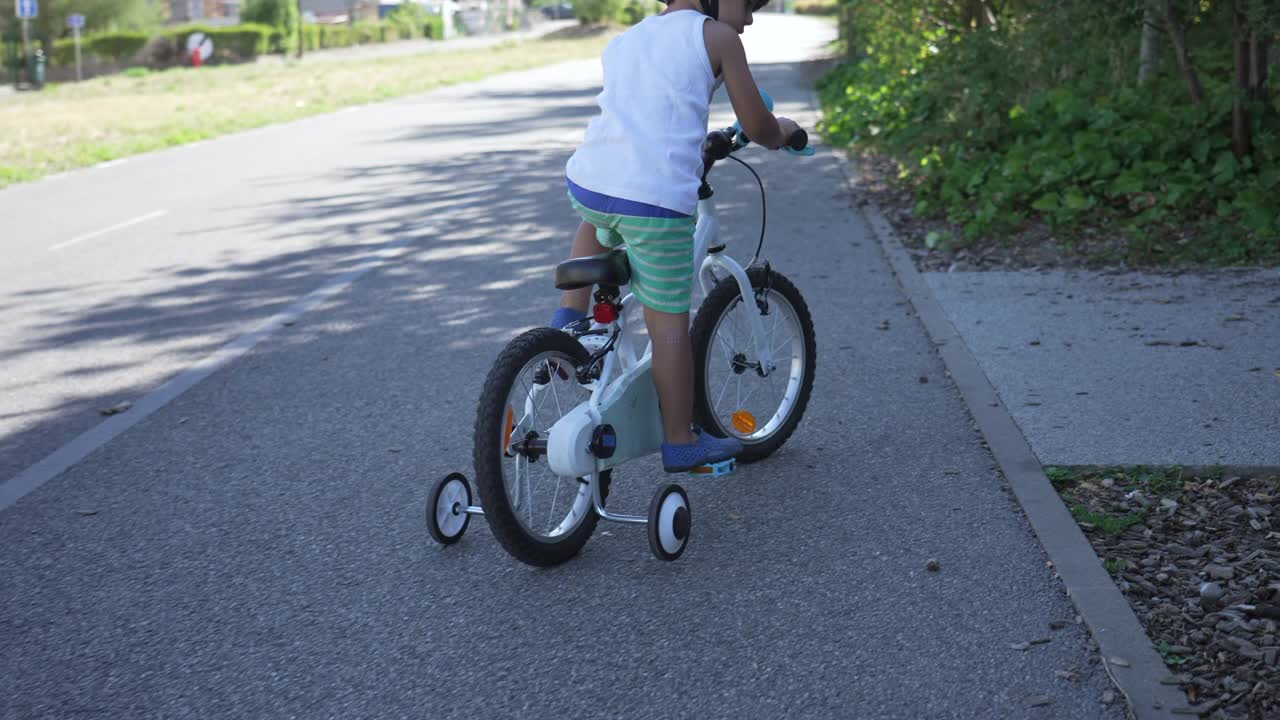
[(646, 144)]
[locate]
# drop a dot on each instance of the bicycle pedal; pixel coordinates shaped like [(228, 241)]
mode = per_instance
[(718, 469)]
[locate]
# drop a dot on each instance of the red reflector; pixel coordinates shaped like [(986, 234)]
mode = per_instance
[(604, 313)]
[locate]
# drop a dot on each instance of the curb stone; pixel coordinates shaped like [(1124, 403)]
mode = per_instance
[(1129, 655)]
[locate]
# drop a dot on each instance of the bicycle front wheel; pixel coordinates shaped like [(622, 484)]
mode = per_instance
[(540, 518), (733, 394)]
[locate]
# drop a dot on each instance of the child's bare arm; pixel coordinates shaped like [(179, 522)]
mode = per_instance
[(727, 55)]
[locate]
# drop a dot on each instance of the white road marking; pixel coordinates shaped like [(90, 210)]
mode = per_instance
[(113, 228), (14, 489)]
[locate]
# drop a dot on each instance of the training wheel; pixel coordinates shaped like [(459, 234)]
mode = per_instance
[(669, 522), (446, 509)]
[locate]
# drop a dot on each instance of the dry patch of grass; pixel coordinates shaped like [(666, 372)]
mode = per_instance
[(76, 125)]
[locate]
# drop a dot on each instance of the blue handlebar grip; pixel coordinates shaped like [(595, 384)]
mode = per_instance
[(806, 152)]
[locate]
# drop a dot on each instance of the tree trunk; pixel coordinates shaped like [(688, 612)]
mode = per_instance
[(1241, 140), (848, 32), (1149, 64), (1178, 38)]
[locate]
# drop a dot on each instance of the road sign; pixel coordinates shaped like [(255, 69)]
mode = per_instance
[(26, 9), (199, 48), (75, 22)]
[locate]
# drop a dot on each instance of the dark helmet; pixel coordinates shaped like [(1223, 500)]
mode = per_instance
[(712, 7)]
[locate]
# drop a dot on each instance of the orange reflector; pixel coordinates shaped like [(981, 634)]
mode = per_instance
[(744, 422), (511, 425)]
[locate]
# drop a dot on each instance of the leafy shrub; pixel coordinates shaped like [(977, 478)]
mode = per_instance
[(434, 27), (62, 53), (410, 19), (117, 46), (594, 11), (230, 44), (334, 36), (281, 15), (636, 10), (997, 126)]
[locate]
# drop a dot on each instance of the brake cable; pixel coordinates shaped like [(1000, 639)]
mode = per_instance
[(764, 207)]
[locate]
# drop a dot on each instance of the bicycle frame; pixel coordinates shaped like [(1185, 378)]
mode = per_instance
[(624, 396)]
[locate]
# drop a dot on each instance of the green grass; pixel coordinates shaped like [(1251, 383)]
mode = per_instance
[(74, 125), (1151, 480), (1108, 523), (1169, 658)]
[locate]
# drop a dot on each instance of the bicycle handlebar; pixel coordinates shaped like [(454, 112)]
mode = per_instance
[(797, 144)]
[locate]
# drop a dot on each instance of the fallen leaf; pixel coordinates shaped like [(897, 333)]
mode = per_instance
[(1020, 646), (1039, 700), (1064, 675), (1119, 662), (734, 516), (116, 409)]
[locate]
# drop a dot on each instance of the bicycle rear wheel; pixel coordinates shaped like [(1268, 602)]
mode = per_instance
[(539, 518), (733, 395)]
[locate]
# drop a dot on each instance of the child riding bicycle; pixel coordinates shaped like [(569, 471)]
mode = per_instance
[(634, 180)]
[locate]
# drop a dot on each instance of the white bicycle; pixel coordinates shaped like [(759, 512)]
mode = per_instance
[(560, 409)]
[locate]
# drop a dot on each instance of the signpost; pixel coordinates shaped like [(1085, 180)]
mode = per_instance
[(75, 22), (26, 10)]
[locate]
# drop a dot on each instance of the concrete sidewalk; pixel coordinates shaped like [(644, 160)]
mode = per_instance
[(1126, 367)]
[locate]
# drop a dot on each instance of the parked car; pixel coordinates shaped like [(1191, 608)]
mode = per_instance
[(558, 11)]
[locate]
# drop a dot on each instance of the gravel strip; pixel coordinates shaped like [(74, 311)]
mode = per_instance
[(1197, 558)]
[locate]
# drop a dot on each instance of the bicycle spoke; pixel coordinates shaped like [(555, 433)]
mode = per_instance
[(552, 382), (784, 343), (552, 514), (723, 390)]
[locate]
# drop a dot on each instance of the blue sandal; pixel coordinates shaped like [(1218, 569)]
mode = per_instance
[(708, 449)]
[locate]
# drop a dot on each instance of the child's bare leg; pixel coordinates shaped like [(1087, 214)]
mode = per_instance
[(673, 372), (584, 244)]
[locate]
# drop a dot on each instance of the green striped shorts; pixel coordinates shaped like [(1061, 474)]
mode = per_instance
[(660, 251)]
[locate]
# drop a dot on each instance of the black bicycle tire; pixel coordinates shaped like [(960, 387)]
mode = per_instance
[(713, 306), (486, 453)]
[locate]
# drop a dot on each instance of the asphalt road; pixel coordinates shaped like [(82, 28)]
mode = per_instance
[(256, 548)]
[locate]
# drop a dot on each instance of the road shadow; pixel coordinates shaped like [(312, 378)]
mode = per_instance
[(484, 232)]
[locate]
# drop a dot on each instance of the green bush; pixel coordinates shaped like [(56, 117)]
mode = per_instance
[(434, 28), (994, 127), (63, 52), (234, 43), (410, 20), (280, 15), (117, 46), (636, 10), (594, 11), (335, 36)]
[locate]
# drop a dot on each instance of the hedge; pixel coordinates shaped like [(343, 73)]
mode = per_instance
[(233, 43), (236, 43), (117, 46)]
